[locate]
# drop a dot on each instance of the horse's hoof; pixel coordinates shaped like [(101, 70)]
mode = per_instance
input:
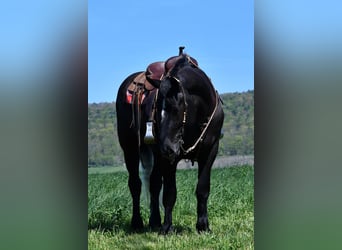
[(166, 230), (203, 230), (202, 226), (154, 225), (137, 224)]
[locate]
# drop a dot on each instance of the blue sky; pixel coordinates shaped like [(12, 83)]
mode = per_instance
[(126, 36)]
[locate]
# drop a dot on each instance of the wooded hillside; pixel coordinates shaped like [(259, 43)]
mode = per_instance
[(238, 128)]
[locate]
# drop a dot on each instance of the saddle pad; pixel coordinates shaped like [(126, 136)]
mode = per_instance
[(129, 97)]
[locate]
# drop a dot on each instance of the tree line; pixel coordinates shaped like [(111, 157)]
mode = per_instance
[(238, 129)]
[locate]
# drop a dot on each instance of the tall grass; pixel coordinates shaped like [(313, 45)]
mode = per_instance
[(230, 209)]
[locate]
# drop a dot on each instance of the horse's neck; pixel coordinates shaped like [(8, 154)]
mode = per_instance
[(205, 90), (201, 106), (205, 95)]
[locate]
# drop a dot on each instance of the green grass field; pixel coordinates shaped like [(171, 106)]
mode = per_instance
[(230, 209)]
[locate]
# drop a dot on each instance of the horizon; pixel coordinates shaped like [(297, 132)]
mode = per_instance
[(227, 93)]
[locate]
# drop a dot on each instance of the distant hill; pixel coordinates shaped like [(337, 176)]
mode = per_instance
[(238, 128)]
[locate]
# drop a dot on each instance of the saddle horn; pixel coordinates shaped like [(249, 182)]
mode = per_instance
[(181, 50)]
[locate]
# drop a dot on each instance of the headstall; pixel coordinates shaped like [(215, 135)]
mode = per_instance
[(200, 138)]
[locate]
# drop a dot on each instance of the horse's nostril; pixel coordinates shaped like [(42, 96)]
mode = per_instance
[(166, 150), (169, 149)]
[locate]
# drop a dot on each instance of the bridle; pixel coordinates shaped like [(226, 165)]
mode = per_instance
[(200, 138)]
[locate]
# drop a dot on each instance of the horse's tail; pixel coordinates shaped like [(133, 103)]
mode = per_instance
[(145, 179), (146, 167)]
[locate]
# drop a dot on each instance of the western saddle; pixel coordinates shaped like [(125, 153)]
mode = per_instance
[(141, 87)]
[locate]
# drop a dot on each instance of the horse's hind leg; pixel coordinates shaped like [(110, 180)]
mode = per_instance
[(134, 184), (203, 188)]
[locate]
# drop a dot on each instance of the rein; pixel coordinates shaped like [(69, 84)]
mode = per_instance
[(200, 138)]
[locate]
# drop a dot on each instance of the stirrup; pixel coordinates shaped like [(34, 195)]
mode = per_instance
[(149, 138)]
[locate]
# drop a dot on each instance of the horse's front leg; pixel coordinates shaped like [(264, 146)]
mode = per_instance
[(203, 189), (202, 194), (169, 196)]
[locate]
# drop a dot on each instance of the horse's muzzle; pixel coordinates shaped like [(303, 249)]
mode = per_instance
[(170, 150)]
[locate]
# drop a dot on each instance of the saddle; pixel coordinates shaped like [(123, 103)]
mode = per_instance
[(140, 81), (155, 71), (170, 63), (141, 87), (138, 88)]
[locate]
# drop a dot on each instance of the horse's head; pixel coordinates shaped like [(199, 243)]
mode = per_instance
[(183, 105), (172, 117)]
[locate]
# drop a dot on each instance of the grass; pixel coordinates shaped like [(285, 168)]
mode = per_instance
[(105, 170), (230, 208)]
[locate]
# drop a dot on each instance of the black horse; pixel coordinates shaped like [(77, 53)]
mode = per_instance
[(187, 125)]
